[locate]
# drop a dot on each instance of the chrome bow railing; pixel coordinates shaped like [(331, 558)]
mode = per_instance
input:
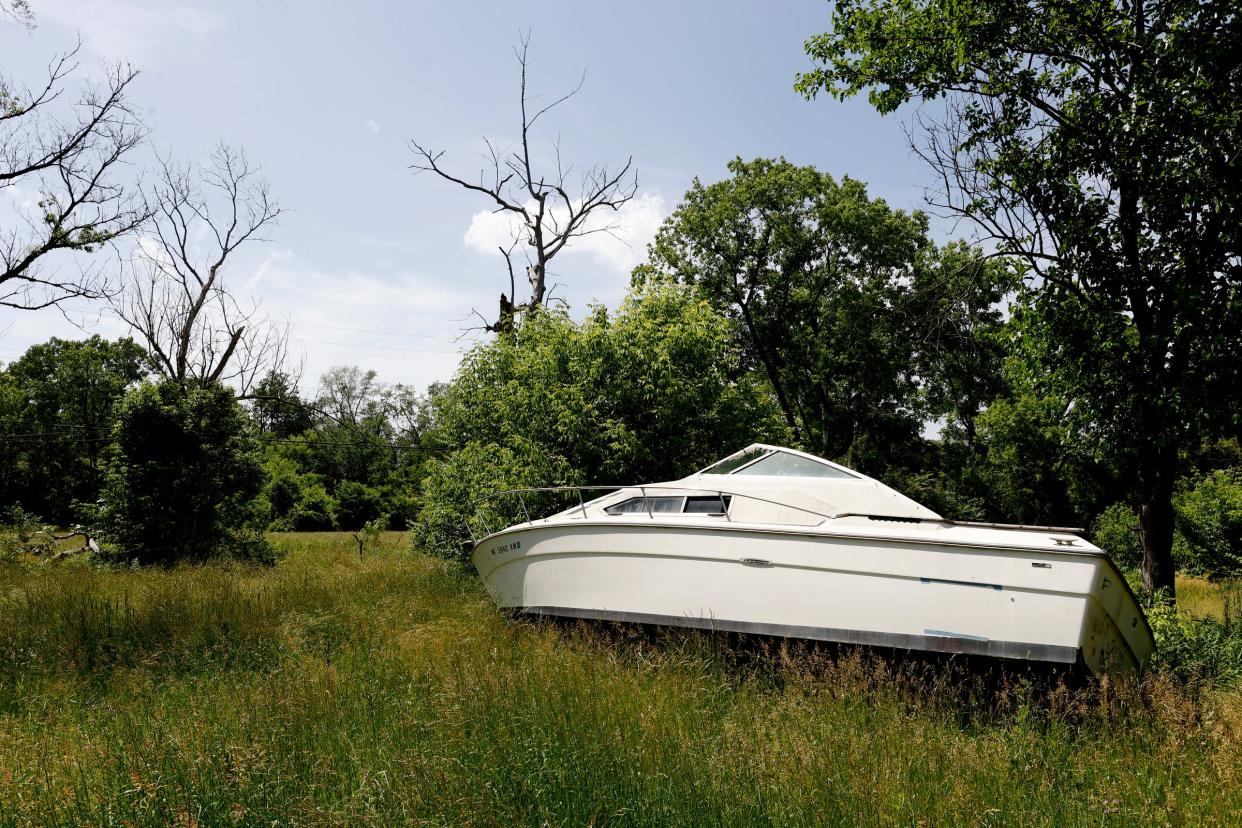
[(583, 503)]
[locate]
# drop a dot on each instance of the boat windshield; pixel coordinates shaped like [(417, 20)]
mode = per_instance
[(772, 462), (734, 461), (780, 464)]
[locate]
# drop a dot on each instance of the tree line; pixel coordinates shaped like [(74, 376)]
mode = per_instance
[(777, 305), (1077, 361)]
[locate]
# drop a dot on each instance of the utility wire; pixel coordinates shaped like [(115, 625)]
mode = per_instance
[(375, 347), (379, 443), (372, 331)]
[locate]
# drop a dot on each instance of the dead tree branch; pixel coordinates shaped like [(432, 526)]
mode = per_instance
[(548, 207), (61, 166), (179, 301)]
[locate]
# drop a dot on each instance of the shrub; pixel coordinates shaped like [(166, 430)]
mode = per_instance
[(459, 479), (25, 533), (651, 393), (293, 500), (182, 478), (401, 505), (1205, 650), (1117, 533), (369, 535), (1209, 523), (315, 510), (356, 504), (251, 546), (283, 488)]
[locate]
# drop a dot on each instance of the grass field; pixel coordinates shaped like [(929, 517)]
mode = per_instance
[(344, 691)]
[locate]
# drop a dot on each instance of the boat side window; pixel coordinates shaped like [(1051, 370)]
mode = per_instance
[(708, 504), (634, 505), (695, 504), (780, 464)]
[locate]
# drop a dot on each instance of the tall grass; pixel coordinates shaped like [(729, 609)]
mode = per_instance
[(344, 691)]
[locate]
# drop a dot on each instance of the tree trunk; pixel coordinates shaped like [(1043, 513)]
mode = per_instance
[(1157, 471), (504, 320), (536, 275), (769, 367)]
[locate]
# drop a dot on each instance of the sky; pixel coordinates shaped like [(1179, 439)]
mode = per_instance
[(376, 267)]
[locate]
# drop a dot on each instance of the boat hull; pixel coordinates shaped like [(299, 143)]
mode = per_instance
[(1008, 603)]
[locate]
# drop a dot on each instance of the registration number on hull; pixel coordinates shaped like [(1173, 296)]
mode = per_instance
[(506, 547)]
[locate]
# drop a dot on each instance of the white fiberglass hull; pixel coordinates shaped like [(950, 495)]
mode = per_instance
[(908, 593)]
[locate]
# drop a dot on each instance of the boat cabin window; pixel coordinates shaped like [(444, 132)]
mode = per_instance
[(634, 505), (707, 504), (695, 504)]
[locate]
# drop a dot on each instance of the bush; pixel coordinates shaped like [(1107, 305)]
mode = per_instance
[(356, 504), (1207, 650), (251, 546), (652, 393), (460, 478), (182, 478), (283, 488), (1209, 524), (939, 492), (24, 534), (401, 505), (295, 501), (315, 510), (1117, 533)]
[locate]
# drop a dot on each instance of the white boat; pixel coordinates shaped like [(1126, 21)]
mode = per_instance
[(778, 542)]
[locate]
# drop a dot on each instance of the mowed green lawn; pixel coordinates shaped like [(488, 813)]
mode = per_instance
[(344, 691)]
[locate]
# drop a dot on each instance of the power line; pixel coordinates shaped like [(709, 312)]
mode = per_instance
[(47, 433), (31, 438), (386, 446), (378, 443), (375, 347), (372, 331), (376, 331)]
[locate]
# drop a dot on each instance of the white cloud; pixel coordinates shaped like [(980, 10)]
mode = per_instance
[(264, 266), (404, 325), (18, 204), (129, 30), (634, 225), (354, 292), (149, 247), (371, 127)]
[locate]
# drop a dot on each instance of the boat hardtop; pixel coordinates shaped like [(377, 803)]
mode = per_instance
[(772, 485)]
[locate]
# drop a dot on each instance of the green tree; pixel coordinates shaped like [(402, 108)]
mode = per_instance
[(277, 408), (450, 512), (1097, 141), (1209, 522), (57, 408), (844, 304), (293, 500), (357, 504), (183, 476), (652, 392), (352, 455), (1039, 457)]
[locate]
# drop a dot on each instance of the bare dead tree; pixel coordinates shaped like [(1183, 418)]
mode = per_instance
[(1014, 225), (179, 302), (61, 165), (551, 207)]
